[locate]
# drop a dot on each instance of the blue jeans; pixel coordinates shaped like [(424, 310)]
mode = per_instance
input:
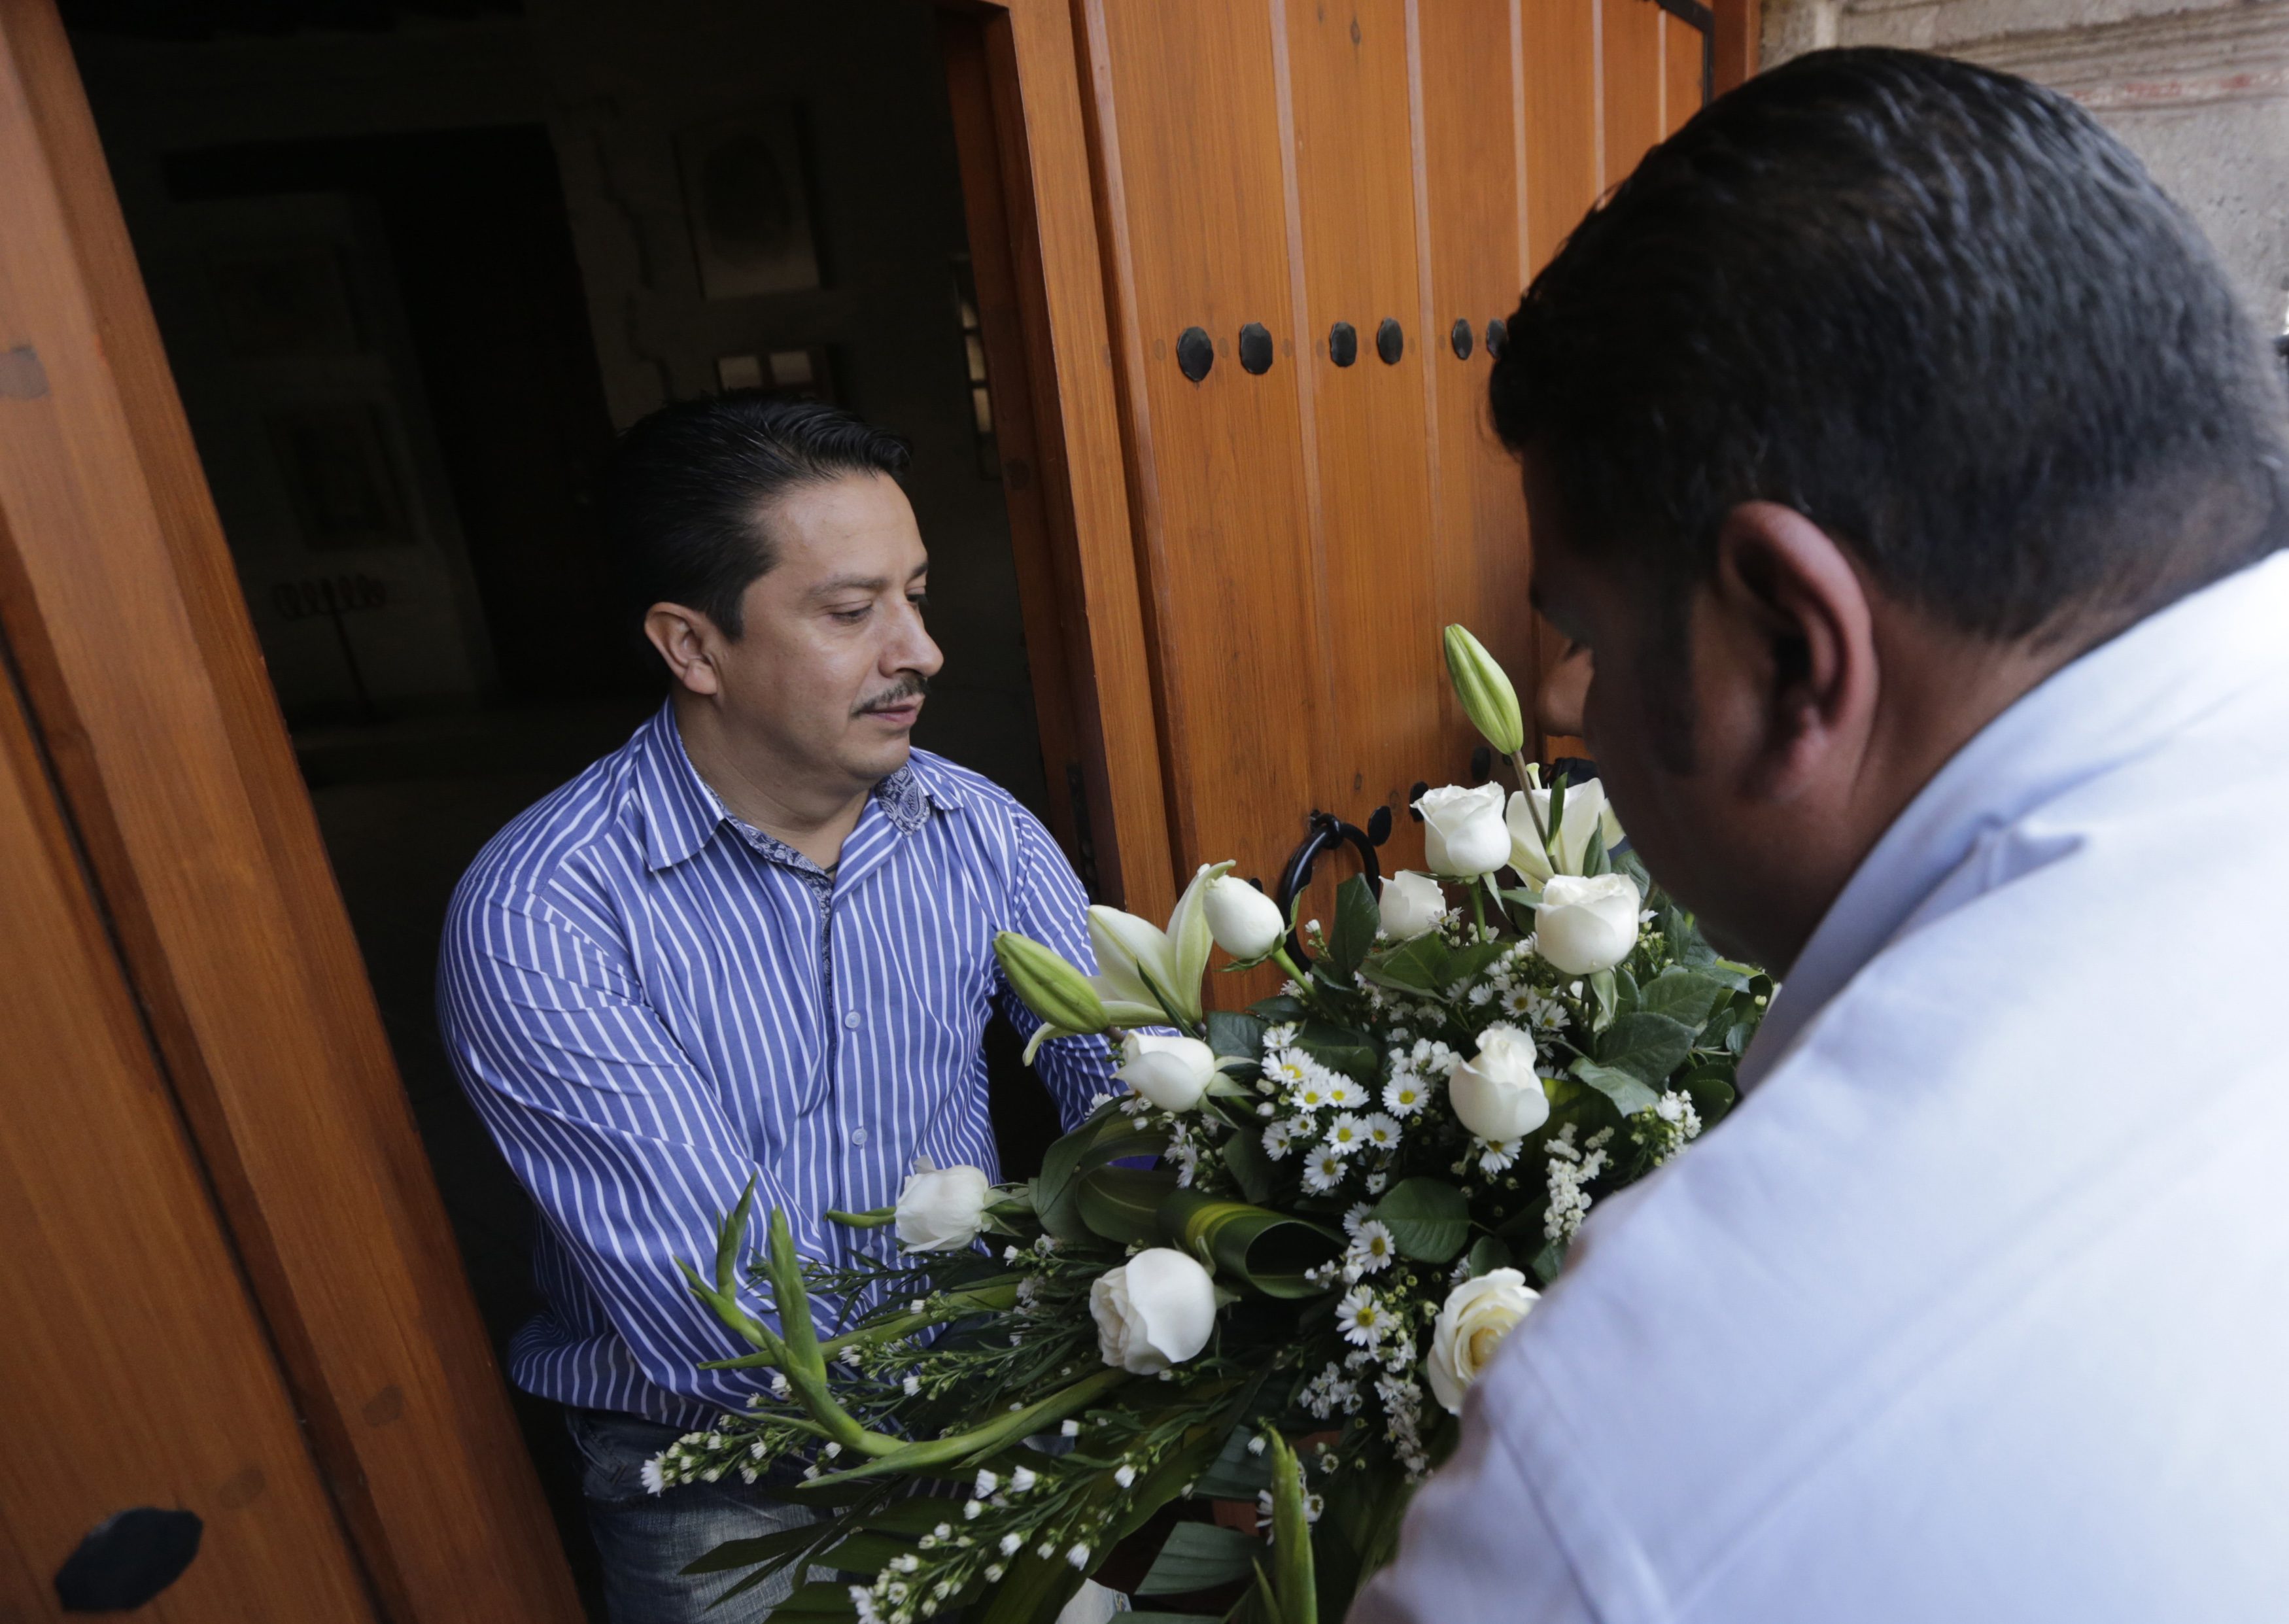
[(646, 1539)]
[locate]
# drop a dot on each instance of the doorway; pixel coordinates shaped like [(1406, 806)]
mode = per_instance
[(408, 313)]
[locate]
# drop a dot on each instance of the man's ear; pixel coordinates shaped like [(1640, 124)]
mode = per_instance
[(685, 639), (1796, 614)]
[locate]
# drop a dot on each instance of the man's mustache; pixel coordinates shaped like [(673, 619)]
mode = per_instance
[(912, 686)]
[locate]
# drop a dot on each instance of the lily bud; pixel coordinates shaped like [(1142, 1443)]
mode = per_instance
[(1053, 990), (1485, 691), (1245, 923)]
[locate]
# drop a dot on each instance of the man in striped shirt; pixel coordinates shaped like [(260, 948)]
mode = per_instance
[(754, 942)]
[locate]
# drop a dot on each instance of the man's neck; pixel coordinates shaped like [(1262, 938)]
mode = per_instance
[(758, 788)]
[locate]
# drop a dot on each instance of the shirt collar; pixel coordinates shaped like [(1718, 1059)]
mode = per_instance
[(2100, 712), (681, 813)]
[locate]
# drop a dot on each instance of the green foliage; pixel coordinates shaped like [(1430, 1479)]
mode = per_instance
[(1647, 1045), (1429, 1219), (1109, 1137), (1357, 920), (1267, 1251), (1628, 1094), (1123, 1204), (1199, 1556)]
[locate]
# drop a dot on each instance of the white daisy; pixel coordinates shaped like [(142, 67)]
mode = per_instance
[(1405, 1094), (1382, 1131), (1372, 1248), (1276, 1136), (1498, 1154), (1346, 1134), (1361, 1318), (1287, 1068), (1345, 1094), (1323, 1169), (1356, 1216)]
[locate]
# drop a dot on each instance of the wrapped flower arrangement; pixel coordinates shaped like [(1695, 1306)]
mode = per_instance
[(1271, 1269)]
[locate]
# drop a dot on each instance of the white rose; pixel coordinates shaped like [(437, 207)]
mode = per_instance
[(1463, 834), (1496, 1091), (1172, 1072), (1245, 923), (1412, 905), (1587, 814), (1154, 1311), (942, 1209), (1478, 1314), (1587, 926)]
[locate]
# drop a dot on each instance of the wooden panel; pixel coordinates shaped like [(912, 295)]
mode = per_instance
[(1680, 81), (1558, 55), (117, 595), (1629, 71), (1739, 23), (1474, 119), (1351, 173), (1058, 278), (1188, 142), (134, 1371)]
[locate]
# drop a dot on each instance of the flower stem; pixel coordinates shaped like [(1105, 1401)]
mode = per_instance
[(1479, 903), (960, 1448)]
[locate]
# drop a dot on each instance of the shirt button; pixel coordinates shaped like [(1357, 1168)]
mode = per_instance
[(857, 1136), (853, 1019)]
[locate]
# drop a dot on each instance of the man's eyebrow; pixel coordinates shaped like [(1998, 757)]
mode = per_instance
[(835, 585)]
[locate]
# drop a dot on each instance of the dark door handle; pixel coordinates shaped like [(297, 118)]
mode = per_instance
[(1329, 833)]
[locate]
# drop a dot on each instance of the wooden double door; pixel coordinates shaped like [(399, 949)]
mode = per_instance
[(1313, 217), (233, 1291)]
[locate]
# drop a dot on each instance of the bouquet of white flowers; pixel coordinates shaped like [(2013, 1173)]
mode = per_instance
[(1306, 1225)]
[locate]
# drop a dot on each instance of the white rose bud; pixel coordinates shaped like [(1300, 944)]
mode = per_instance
[(1412, 905), (1497, 1093), (1245, 923), (942, 1209), (1463, 834), (1583, 926), (1172, 1072), (1478, 1314), (1154, 1311)]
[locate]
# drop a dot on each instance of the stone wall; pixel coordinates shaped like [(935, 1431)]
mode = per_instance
[(2199, 91)]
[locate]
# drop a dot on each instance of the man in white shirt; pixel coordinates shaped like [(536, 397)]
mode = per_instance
[(1903, 459)]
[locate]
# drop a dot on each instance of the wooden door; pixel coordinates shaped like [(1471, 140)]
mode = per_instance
[(135, 1372), (171, 770), (1340, 199)]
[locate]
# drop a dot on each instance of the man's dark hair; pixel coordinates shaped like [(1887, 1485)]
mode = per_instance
[(1936, 309), (686, 495)]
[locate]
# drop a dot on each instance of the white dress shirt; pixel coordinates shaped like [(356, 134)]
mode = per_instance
[(1977, 1305)]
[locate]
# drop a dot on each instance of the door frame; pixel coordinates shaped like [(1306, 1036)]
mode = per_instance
[(1013, 76)]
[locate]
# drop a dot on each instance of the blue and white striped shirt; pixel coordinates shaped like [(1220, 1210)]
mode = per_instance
[(649, 1002)]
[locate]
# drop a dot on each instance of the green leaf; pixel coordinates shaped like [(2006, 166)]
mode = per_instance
[(1119, 1204), (1417, 966), (819, 1599), (1487, 1255), (1687, 995), (1266, 1250), (1467, 964), (1340, 1048), (1199, 1556), (1629, 1095), (1236, 1473), (864, 1554), (1357, 920), (1645, 1045), (1107, 1138), (1236, 1036), (1428, 1220), (1547, 1262), (1712, 1092), (1278, 1010), (1243, 1155), (764, 1547)]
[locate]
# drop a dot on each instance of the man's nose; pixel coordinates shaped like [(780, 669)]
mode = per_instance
[(913, 649)]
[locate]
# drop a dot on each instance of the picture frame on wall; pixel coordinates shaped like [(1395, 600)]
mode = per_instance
[(748, 203)]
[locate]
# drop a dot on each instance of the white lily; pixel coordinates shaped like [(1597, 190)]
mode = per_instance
[(1146, 974)]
